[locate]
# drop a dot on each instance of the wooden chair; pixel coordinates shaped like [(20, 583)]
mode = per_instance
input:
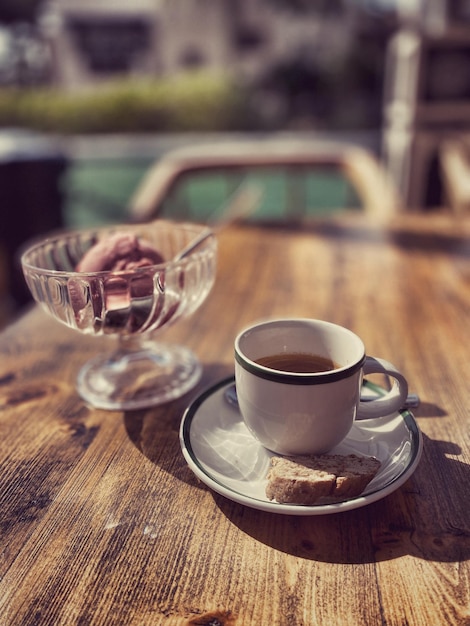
[(299, 178)]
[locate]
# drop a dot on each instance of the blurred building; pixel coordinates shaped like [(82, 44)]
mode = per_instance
[(96, 39), (299, 57), (407, 72)]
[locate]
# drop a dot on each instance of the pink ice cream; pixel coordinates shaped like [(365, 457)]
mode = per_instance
[(122, 251), (120, 254)]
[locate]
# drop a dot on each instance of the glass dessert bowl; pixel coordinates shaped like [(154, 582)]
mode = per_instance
[(126, 281)]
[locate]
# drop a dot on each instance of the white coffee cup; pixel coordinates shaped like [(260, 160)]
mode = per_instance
[(292, 412)]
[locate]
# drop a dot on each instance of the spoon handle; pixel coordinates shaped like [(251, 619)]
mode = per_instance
[(411, 402), (242, 203)]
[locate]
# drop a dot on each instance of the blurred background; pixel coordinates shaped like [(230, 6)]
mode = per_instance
[(92, 92)]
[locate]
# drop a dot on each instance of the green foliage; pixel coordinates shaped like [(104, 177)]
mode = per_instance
[(195, 102)]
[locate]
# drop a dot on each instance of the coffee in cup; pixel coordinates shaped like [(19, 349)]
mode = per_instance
[(299, 384)]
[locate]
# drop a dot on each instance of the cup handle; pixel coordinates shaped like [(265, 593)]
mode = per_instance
[(393, 400)]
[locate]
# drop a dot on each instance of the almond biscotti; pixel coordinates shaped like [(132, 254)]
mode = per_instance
[(306, 479)]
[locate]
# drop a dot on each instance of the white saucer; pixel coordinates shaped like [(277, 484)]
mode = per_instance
[(221, 452)]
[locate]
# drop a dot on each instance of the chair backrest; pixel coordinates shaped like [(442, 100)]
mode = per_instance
[(455, 170), (298, 178)]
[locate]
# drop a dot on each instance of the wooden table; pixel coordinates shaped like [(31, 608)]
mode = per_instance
[(102, 521)]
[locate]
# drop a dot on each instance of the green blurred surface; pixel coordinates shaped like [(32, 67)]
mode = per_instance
[(98, 192)]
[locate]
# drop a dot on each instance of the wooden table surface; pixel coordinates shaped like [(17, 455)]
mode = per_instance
[(103, 522)]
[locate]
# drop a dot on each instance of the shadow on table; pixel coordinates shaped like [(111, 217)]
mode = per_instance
[(428, 409), (142, 425), (431, 525), (423, 518)]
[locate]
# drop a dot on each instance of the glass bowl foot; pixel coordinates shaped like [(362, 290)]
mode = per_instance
[(125, 380)]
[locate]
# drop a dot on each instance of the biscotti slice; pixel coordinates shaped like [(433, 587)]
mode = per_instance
[(356, 474), (297, 482), (307, 479)]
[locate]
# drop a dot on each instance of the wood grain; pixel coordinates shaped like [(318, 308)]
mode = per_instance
[(103, 523)]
